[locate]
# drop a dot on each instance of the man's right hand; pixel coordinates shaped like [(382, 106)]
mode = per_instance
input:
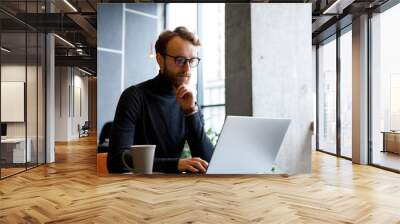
[(195, 165)]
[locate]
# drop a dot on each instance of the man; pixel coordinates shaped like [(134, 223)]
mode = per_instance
[(163, 111)]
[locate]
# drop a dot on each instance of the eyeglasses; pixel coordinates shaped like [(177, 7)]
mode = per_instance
[(181, 61)]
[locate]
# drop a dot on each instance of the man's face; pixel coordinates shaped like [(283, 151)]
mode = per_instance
[(177, 74)]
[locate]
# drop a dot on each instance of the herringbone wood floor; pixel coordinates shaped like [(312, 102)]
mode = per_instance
[(69, 191)]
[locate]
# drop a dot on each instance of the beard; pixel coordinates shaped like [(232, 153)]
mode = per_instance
[(177, 79)]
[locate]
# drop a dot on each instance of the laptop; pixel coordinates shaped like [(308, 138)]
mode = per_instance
[(248, 145), (3, 131)]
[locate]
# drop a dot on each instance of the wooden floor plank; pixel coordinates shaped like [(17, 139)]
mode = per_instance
[(69, 191)]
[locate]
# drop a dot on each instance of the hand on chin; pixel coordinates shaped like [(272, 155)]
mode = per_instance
[(181, 80)]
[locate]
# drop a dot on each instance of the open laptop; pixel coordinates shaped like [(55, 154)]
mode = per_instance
[(248, 145), (3, 131)]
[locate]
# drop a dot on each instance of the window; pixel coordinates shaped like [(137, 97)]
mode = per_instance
[(335, 74), (184, 14), (385, 88), (212, 26), (346, 93), (208, 22), (327, 96)]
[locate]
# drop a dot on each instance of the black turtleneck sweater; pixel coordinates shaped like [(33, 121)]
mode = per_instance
[(148, 113)]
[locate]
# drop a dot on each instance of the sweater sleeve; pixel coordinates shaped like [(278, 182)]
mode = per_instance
[(127, 114), (199, 143), (123, 129)]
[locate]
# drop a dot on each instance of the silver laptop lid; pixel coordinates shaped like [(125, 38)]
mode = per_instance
[(248, 145)]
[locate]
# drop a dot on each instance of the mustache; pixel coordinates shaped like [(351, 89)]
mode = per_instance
[(184, 75)]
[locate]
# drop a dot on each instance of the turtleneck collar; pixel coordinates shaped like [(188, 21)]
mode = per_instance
[(163, 85)]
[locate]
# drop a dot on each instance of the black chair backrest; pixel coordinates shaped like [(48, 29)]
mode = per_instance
[(105, 132)]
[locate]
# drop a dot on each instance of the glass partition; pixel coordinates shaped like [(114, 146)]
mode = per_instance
[(31, 100), (41, 96), (22, 100), (327, 96), (13, 104)]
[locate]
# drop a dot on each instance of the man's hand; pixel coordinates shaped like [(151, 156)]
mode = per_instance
[(185, 98), (195, 165)]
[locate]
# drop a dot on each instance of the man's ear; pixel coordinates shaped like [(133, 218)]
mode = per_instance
[(160, 61)]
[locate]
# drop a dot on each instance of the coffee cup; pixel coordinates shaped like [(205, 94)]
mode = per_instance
[(142, 158)]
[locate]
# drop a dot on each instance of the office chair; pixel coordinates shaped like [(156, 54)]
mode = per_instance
[(84, 130), (102, 149)]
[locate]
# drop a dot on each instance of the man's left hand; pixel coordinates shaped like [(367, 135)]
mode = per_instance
[(185, 97)]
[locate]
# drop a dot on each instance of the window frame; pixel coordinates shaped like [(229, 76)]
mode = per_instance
[(334, 37)]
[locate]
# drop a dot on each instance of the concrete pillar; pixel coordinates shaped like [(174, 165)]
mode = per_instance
[(50, 99), (50, 92), (269, 67), (238, 79), (360, 90)]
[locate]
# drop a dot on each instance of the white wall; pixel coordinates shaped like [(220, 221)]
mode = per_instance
[(17, 73), (61, 103), (79, 117), (70, 83)]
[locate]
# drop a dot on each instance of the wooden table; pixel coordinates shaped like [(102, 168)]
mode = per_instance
[(391, 141)]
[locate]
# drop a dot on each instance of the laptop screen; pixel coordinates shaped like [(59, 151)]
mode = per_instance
[(248, 145), (3, 129)]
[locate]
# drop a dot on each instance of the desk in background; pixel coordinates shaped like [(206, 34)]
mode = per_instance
[(391, 141), (13, 150)]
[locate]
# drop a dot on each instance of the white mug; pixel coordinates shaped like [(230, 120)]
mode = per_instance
[(142, 158)]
